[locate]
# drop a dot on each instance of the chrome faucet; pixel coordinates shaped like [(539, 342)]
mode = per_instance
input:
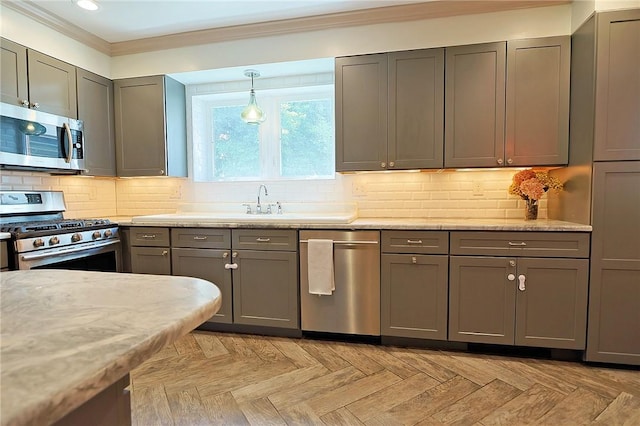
[(259, 206)]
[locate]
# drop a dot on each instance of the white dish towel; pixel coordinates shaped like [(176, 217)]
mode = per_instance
[(320, 261)]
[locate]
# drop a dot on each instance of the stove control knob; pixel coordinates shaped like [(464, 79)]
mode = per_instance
[(108, 233), (53, 241), (38, 242), (96, 235), (76, 237)]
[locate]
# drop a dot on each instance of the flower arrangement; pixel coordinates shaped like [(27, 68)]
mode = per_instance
[(530, 185)]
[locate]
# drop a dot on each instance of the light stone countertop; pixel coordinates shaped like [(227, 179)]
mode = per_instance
[(177, 220), (67, 335)]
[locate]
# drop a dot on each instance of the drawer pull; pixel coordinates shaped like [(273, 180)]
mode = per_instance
[(199, 238), (263, 240), (414, 241), (149, 236), (521, 244)]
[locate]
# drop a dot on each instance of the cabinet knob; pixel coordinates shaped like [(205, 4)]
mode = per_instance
[(35, 105), (383, 165), (500, 161), (225, 254), (511, 277), (414, 259), (24, 102), (161, 172), (509, 160), (392, 164), (165, 252)]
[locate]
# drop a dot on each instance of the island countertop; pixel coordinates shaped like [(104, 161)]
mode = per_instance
[(67, 335)]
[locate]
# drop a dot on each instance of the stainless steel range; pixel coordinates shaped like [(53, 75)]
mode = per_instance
[(42, 238)]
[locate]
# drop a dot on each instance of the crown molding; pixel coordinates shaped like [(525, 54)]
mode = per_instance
[(38, 14), (401, 13)]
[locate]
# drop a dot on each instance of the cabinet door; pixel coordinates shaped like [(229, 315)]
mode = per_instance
[(614, 297), (151, 260), (416, 109), (140, 126), (52, 85), (95, 109), (265, 288), (13, 73), (551, 309), (208, 265), (361, 113), (414, 296), (538, 101), (617, 126), (482, 300), (475, 105)]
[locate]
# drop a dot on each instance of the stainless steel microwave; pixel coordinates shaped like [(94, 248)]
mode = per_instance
[(37, 140)]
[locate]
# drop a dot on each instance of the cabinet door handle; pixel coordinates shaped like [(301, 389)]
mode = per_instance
[(230, 266), (521, 279), (263, 240), (198, 238), (414, 241), (521, 244), (149, 237)]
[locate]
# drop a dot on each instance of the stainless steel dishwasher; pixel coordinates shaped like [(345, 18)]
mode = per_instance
[(354, 305)]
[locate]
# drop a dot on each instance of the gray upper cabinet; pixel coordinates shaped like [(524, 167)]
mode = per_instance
[(416, 109), (38, 81), (617, 86), (150, 121), (475, 105), (507, 104), (95, 109), (538, 79), (614, 297), (361, 112), (13, 74), (389, 111)]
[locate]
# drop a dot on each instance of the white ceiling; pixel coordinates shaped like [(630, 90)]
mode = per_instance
[(126, 20)]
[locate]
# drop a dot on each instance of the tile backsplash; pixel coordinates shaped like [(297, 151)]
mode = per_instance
[(429, 194)]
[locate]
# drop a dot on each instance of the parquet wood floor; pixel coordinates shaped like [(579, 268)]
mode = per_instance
[(230, 379)]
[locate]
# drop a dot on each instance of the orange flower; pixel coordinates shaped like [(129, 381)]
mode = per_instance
[(532, 188), (531, 185)]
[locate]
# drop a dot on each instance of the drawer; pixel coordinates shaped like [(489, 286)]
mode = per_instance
[(531, 244), (418, 242), (264, 239), (201, 238), (149, 237)]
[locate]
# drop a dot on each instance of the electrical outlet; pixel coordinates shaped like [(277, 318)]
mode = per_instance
[(478, 190), (358, 189), (176, 193)]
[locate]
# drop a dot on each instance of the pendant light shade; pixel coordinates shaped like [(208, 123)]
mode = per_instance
[(252, 114)]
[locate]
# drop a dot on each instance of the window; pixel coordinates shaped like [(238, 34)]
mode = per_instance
[(296, 141)]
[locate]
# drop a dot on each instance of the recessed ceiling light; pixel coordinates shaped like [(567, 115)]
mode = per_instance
[(87, 4)]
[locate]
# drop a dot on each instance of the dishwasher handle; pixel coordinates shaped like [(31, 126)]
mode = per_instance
[(340, 242)]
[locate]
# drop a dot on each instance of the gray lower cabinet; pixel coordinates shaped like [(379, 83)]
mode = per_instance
[(150, 122), (513, 300), (614, 298), (150, 250), (265, 278), (4, 259), (95, 109), (204, 253), (414, 284)]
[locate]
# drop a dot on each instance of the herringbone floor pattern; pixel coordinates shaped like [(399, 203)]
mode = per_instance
[(228, 379)]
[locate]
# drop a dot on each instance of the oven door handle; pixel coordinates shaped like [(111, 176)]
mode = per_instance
[(35, 256)]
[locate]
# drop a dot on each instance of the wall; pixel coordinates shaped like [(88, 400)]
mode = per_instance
[(424, 194)]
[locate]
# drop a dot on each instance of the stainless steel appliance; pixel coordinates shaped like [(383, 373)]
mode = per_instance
[(354, 306), (36, 140), (42, 238)]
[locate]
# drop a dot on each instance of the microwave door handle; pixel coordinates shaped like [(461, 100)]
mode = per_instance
[(67, 130)]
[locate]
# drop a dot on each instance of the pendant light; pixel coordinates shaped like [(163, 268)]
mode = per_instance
[(252, 114)]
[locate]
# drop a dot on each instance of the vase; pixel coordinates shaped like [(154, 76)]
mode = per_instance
[(531, 212)]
